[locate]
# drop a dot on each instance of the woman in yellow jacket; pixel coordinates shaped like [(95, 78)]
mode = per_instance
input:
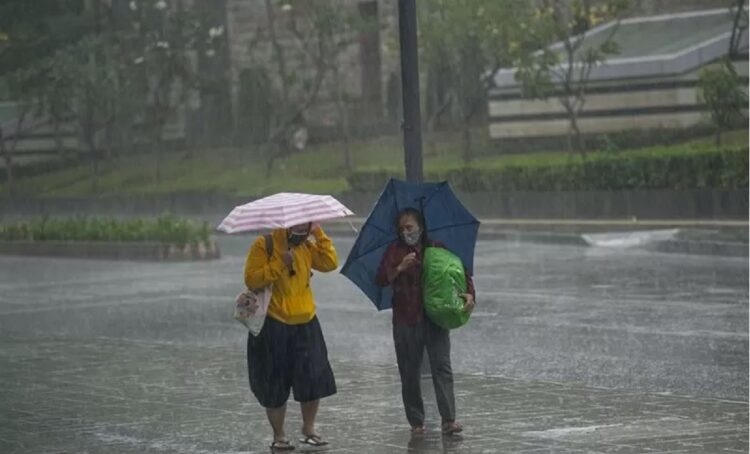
[(290, 353)]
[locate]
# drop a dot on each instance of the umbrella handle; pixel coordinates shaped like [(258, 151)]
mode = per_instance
[(290, 267)]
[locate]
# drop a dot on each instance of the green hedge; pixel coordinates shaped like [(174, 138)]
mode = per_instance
[(716, 169), (165, 229)]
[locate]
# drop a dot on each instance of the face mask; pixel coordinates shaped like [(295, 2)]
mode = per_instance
[(412, 238), (295, 239)]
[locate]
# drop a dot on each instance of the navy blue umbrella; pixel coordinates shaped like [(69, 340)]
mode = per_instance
[(448, 221)]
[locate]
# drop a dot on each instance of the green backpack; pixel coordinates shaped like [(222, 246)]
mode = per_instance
[(443, 283)]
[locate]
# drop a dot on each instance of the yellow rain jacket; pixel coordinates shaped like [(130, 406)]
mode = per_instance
[(292, 299)]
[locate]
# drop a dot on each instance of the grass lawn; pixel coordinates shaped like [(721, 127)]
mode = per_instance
[(320, 169)]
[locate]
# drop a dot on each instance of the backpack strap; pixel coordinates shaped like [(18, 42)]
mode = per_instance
[(269, 246)]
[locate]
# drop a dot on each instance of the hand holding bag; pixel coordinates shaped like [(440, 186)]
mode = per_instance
[(251, 306)]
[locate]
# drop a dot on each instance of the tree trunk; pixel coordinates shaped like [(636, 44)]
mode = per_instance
[(347, 151), (343, 119), (734, 40), (434, 105), (269, 163), (87, 130), (575, 138), (158, 118), (109, 139), (345, 136), (430, 137), (275, 151), (156, 150), (58, 140), (433, 121), (8, 160), (87, 134), (466, 140), (717, 137), (8, 154), (279, 51), (580, 143), (93, 154), (370, 58)]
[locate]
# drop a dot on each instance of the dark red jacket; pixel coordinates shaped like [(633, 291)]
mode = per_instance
[(407, 286)]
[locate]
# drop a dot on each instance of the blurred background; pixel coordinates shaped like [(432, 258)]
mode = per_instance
[(186, 105), (602, 143)]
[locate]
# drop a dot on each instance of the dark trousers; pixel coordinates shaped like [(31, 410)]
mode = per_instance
[(284, 358), (410, 342)]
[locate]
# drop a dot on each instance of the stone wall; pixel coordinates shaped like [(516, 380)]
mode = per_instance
[(632, 92)]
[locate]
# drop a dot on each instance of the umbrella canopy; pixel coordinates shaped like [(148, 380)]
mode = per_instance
[(283, 210), (447, 221)]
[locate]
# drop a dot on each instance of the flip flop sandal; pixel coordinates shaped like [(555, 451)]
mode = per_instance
[(281, 445), (452, 428), (313, 440)]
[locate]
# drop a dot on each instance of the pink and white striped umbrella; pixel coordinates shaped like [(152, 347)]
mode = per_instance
[(283, 210)]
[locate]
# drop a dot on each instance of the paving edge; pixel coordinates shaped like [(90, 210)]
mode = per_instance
[(692, 247)]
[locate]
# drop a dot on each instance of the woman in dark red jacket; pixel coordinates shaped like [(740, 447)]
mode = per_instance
[(401, 269)]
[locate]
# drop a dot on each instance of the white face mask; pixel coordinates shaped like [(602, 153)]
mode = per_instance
[(412, 238)]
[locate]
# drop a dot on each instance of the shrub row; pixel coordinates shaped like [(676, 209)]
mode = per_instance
[(165, 229), (716, 169)]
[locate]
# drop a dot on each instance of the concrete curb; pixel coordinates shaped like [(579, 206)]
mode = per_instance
[(720, 248), (579, 225), (564, 232), (540, 237)]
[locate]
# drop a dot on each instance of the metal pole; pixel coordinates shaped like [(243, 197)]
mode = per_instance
[(412, 125)]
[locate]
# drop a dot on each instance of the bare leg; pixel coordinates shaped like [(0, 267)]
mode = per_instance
[(309, 412), (276, 418)]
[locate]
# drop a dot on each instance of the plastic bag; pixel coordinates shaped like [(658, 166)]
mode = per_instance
[(250, 308), (443, 283)]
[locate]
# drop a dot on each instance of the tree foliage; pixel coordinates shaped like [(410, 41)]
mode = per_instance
[(722, 91), (563, 70), (117, 75), (31, 30), (304, 41), (463, 45)]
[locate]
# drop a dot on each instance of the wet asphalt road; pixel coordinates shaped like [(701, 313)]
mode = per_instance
[(615, 318)]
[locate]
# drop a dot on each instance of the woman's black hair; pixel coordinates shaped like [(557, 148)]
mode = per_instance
[(416, 214)]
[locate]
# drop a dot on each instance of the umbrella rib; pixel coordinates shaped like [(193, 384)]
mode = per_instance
[(371, 243), (370, 250), (434, 191), (454, 226), (376, 227)]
